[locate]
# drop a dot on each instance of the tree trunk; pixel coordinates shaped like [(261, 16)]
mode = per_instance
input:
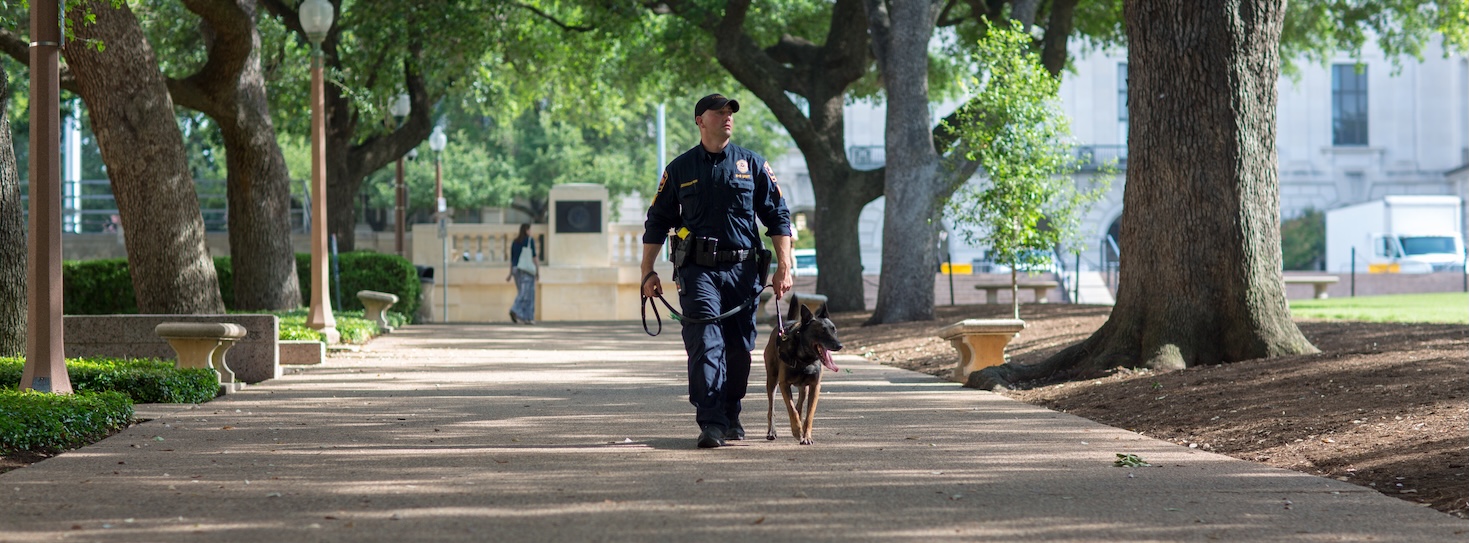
[(913, 185), (1202, 196), (133, 119), (13, 249), (230, 89)]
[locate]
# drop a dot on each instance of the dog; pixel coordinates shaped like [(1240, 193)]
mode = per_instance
[(794, 359)]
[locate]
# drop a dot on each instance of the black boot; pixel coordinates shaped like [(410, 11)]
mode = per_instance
[(712, 437)]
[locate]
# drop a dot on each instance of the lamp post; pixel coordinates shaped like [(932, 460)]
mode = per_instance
[(45, 367), (437, 141), (316, 20), (400, 109)]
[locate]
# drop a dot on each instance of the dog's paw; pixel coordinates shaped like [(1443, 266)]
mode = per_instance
[(808, 441), (770, 436)]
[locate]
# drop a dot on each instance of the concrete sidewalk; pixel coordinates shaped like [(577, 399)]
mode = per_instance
[(581, 432)]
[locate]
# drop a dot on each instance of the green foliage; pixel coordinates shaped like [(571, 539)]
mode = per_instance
[(144, 380), (366, 270), (352, 326), (1125, 460), (97, 287), (1015, 128), (1443, 307), (1303, 241), (43, 422)]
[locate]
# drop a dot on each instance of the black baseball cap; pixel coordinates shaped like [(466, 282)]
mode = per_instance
[(714, 101)]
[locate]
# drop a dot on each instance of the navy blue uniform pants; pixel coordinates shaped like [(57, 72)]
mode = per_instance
[(719, 352)]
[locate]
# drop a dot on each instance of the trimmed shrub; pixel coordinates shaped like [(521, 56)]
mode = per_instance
[(366, 270), (350, 324), (97, 287), (144, 380), (42, 422)]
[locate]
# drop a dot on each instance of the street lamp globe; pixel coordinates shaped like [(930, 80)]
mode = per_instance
[(401, 106), (316, 19), (438, 140)]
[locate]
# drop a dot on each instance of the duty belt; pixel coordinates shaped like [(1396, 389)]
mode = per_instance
[(740, 255)]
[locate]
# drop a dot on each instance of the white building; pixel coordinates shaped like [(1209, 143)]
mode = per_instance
[(1345, 135)]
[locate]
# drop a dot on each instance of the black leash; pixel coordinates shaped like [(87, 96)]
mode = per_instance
[(675, 315)]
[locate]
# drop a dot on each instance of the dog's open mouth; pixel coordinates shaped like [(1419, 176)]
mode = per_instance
[(826, 358)]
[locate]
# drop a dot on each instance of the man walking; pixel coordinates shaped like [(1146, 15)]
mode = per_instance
[(713, 194)]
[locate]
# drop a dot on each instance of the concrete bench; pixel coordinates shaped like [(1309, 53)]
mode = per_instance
[(980, 342), (1041, 290), (1317, 282), (254, 358), (811, 300), (377, 304), (301, 352), (203, 345)]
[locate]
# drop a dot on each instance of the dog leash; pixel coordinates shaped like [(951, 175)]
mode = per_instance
[(675, 315)]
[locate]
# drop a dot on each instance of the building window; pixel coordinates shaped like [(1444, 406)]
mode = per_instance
[(1348, 104), (1122, 103)]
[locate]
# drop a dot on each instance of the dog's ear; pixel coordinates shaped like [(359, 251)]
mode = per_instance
[(806, 315), (791, 311), (821, 312)]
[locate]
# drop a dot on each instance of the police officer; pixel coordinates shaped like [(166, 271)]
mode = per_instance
[(712, 195)]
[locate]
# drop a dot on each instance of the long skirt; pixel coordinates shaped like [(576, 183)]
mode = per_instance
[(524, 307)]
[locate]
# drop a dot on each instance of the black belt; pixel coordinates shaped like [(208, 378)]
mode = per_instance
[(734, 256)]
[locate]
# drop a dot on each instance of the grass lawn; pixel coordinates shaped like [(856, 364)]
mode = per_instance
[(1445, 307)]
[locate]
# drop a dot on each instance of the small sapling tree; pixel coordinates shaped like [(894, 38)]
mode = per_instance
[(1027, 203)]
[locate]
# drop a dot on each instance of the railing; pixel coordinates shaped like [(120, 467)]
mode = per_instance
[(489, 244), (1091, 158), (867, 157), (90, 208)]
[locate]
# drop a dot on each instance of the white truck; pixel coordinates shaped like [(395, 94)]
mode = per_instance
[(1397, 234)]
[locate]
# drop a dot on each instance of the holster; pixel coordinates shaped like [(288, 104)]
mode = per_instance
[(680, 251), (762, 259)]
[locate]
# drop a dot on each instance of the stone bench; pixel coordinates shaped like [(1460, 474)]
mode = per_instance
[(300, 352), (1041, 290), (254, 358), (812, 301), (1317, 282), (980, 342), (203, 345), (377, 304)]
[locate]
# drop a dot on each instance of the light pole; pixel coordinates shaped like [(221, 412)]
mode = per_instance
[(316, 20), (45, 367), (437, 141), (400, 109)]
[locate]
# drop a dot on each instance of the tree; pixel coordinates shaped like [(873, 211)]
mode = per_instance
[(1028, 203), (230, 89), (917, 178), (133, 119), (1303, 241), (13, 302), (1202, 196)]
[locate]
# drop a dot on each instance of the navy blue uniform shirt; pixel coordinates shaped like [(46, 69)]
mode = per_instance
[(718, 195)]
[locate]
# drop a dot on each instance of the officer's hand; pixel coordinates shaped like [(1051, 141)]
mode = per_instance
[(652, 287), (782, 281)]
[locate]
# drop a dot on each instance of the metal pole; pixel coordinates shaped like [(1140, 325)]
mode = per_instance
[(1354, 272), (1076, 280), (320, 317), (443, 226), (45, 365), (662, 139), (399, 211)]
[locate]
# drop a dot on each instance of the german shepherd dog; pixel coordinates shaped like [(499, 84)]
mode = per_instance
[(795, 359)]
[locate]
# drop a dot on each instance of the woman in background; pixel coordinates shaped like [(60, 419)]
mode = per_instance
[(524, 274)]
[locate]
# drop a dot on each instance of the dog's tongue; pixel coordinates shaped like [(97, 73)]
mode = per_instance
[(826, 358)]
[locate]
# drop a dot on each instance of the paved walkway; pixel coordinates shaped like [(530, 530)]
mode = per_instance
[(581, 433)]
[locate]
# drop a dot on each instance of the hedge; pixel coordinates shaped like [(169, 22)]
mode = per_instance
[(42, 422), (103, 287), (144, 380)]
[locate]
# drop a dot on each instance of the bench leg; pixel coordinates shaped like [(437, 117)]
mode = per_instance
[(193, 352), (977, 352), (1320, 291), (227, 382), (991, 296), (1041, 294)]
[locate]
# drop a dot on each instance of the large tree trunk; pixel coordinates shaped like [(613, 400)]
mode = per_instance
[(133, 119), (230, 89), (913, 187), (1202, 197), (13, 301)]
